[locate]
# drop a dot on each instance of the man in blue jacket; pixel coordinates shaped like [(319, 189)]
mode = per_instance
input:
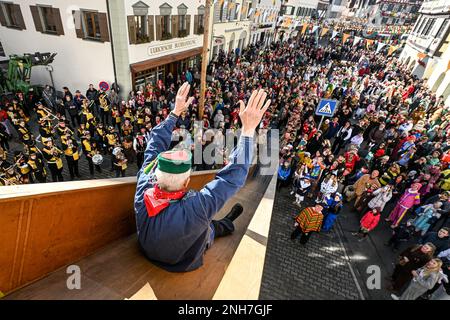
[(176, 226)]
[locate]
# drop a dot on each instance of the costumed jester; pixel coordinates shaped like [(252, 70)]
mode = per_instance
[(410, 198), (332, 206), (175, 226)]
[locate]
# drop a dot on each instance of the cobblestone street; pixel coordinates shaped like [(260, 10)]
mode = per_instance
[(320, 270)]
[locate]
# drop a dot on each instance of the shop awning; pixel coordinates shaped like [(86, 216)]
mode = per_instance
[(153, 63)]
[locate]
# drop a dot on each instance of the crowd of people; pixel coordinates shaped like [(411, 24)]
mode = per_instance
[(387, 144)]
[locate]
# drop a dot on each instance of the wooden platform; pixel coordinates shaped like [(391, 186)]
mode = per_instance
[(120, 271)]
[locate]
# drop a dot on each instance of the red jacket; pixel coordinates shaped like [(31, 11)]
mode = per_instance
[(370, 221)]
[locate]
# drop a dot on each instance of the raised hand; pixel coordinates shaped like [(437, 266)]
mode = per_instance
[(252, 114), (181, 101)]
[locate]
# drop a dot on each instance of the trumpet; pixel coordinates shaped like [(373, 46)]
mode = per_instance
[(49, 114)]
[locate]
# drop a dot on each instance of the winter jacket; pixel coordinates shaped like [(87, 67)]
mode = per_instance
[(370, 221), (409, 199)]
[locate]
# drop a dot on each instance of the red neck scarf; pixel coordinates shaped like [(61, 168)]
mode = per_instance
[(156, 199)]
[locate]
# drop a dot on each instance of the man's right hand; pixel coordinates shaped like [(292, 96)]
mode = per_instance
[(253, 113)]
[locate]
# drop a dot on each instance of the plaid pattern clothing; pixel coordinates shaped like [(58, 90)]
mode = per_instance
[(309, 220)]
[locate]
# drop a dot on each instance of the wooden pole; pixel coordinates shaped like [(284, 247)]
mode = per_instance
[(205, 58)]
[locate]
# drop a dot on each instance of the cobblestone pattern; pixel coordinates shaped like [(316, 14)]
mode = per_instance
[(319, 270)]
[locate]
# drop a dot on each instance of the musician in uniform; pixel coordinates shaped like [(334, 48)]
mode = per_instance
[(100, 137), (9, 177), (112, 139), (119, 161), (64, 128), (105, 112), (24, 133), (90, 149), (70, 148), (45, 129), (127, 128), (116, 118), (37, 166), (139, 145), (24, 168), (53, 156), (175, 226)]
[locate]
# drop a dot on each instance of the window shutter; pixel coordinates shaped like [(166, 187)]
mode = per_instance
[(132, 29), (151, 28), (58, 22), (19, 17), (188, 24), (159, 22), (78, 24), (196, 24), (36, 18), (2, 16), (175, 26), (104, 30)]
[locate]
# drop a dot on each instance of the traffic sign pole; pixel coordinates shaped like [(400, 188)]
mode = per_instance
[(320, 123)]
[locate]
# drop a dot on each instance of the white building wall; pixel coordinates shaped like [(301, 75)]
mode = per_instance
[(152, 50), (293, 14), (78, 62), (231, 31), (438, 77), (265, 23)]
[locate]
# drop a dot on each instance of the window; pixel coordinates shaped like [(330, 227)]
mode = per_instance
[(222, 11), (430, 26), (11, 16), (418, 24), (442, 28), (47, 20), (141, 28), (182, 26), (166, 25), (2, 52), (91, 25), (423, 25)]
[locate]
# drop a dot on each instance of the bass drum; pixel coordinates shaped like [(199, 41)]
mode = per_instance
[(116, 150), (97, 159)]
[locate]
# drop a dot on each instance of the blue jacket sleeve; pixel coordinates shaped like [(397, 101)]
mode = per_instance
[(228, 180), (160, 140)]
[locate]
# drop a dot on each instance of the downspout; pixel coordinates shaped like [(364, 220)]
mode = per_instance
[(112, 42)]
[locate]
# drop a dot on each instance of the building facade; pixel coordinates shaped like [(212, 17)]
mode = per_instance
[(336, 9), (291, 13), (230, 29), (74, 32), (385, 12), (427, 51), (264, 19), (127, 42)]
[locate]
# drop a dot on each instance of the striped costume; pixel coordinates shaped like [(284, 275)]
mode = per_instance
[(309, 220)]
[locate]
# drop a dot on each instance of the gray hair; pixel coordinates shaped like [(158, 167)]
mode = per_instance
[(170, 181)]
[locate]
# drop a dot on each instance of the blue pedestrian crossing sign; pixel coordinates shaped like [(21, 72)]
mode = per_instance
[(326, 107)]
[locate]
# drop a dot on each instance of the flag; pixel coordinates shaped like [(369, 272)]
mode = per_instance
[(421, 55), (324, 31), (380, 46), (356, 40), (314, 29), (305, 26), (335, 33), (257, 13), (448, 66), (369, 43), (392, 49), (345, 36), (231, 5), (250, 12)]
